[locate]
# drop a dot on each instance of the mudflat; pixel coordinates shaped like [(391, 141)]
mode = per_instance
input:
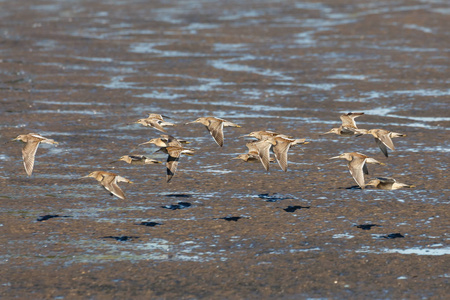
[(82, 72)]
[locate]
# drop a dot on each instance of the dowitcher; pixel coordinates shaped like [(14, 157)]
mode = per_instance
[(156, 121), (258, 151), (383, 138), (281, 146), (388, 184), (165, 140), (174, 149), (357, 165), (215, 127), (264, 134), (109, 182), (32, 141), (138, 160), (348, 127)]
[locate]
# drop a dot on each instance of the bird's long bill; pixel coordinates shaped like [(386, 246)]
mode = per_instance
[(114, 161), (325, 133), (190, 122), (143, 144), (245, 135), (334, 157)]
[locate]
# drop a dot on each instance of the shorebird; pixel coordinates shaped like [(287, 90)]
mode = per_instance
[(137, 160), (215, 127), (348, 127), (156, 121), (264, 134), (388, 184), (109, 182), (174, 153), (281, 147), (32, 141), (357, 165), (258, 151), (165, 140), (383, 138), (174, 149)]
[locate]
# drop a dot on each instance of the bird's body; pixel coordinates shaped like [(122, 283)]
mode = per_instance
[(388, 184), (174, 153), (156, 121), (138, 160), (165, 140), (281, 146), (265, 134), (32, 141), (348, 127), (383, 138), (109, 181), (257, 151), (215, 127), (357, 165)]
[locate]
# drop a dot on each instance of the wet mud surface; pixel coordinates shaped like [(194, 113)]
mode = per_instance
[(81, 73)]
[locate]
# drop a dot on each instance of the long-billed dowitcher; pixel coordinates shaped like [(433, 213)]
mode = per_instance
[(156, 121), (138, 160), (258, 151), (165, 140), (348, 127), (174, 149), (281, 147), (215, 127), (109, 182), (264, 134), (357, 165), (32, 141), (383, 138), (388, 184)]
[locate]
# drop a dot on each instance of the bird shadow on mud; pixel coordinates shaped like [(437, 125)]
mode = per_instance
[(179, 195), (180, 205), (293, 208), (234, 218), (122, 238), (149, 224), (47, 217), (366, 226), (275, 197)]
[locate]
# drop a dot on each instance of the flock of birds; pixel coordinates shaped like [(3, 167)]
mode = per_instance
[(258, 150)]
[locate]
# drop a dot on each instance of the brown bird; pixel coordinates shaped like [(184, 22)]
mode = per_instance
[(215, 127), (357, 165), (165, 140), (388, 184), (109, 182), (32, 141), (281, 146), (264, 134), (348, 127), (383, 138), (156, 121), (137, 160), (174, 149), (257, 151)]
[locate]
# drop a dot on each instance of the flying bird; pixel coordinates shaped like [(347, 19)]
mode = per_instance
[(109, 182), (32, 141), (383, 138), (388, 184), (156, 121), (348, 127), (357, 165), (137, 160), (215, 127)]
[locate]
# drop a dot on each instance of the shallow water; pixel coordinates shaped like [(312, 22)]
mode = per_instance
[(82, 73)]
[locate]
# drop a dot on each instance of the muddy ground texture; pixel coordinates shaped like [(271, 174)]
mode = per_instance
[(81, 73)]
